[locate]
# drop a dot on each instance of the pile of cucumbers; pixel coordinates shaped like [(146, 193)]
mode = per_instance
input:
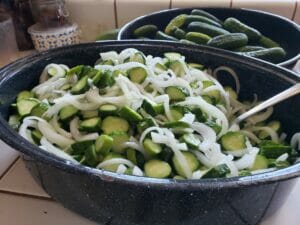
[(201, 27)]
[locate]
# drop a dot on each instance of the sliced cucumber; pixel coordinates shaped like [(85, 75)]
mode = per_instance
[(261, 162), (137, 57), (25, 106), (176, 93), (191, 160), (143, 125), (130, 115), (173, 56), (81, 86), (157, 169), (104, 144), (273, 150), (81, 146), (233, 140), (90, 125), (113, 167), (176, 124), (191, 140), (217, 172), (67, 113), (151, 148), (39, 109), (231, 92), (89, 114), (114, 124), (119, 138), (137, 74), (177, 67), (91, 156), (108, 110), (36, 136), (196, 66), (24, 95), (215, 94)]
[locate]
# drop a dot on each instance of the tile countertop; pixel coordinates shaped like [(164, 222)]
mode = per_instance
[(23, 202)]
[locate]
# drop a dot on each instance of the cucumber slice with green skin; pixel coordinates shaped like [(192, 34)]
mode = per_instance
[(162, 36), (81, 86), (177, 68), (14, 122), (209, 100), (178, 177), (213, 94), (91, 125), (173, 56), (176, 93), (191, 160), (107, 62), (198, 18), (160, 68), (185, 41), (159, 108), (236, 26), (130, 115), (106, 80), (119, 138), (177, 21), (138, 57), (39, 109), (89, 114), (273, 55), (261, 162), (151, 148), (143, 125), (114, 124), (96, 79), (245, 172), (178, 33), (217, 128), (67, 113), (267, 42), (231, 92), (278, 164), (197, 37), (113, 167), (191, 140), (273, 150), (137, 74), (274, 125), (176, 112), (66, 87), (24, 95), (109, 35), (75, 70), (196, 66), (149, 108), (200, 115), (233, 140), (229, 41), (78, 157), (131, 155), (166, 154), (108, 110), (176, 124), (91, 156), (104, 144), (81, 146), (147, 30), (25, 106), (217, 172), (207, 29), (36, 136), (200, 12), (157, 169), (248, 48)]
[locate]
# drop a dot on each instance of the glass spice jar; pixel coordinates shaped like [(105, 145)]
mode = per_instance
[(50, 13)]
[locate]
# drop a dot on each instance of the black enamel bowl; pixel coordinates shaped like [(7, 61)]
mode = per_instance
[(280, 29), (115, 199)]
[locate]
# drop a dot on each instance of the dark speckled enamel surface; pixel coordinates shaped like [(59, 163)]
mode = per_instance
[(280, 29), (126, 200)]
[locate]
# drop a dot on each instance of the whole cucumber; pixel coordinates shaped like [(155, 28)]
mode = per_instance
[(274, 55), (197, 37), (147, 30), (208, 29), (235, 26), (194, 18), (201, 12), (162, 36), (229, 41)]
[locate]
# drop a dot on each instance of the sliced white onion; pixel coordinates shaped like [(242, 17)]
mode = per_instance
[(115, 161)]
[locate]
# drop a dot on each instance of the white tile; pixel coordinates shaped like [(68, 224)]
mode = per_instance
[(92, 16), (7, 156), (130, 9), (281, 7), (19, 210), (197, 3), (289, 213), (297, 15), (19, 180)]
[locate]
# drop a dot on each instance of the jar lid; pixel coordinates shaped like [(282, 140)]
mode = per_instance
[(39, 28)]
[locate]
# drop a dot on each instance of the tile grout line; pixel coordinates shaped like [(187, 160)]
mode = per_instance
[(26, 195), (295, 10), (231, 3), (116, 14), (9, 167), (170, 4)]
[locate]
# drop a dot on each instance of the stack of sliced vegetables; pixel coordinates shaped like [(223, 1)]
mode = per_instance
[(149, 116), (201, 27)]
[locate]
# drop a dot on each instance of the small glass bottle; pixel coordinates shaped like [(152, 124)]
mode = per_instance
[(49, 13)]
